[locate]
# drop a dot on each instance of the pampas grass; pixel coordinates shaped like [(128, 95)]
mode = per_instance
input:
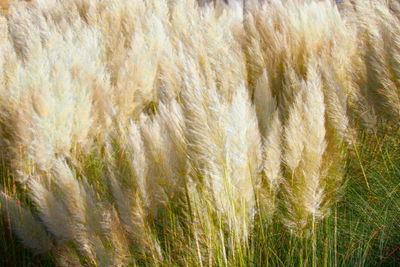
[(189, 132)]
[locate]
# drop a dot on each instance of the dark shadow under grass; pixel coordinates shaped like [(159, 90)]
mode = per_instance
[(12, 252)]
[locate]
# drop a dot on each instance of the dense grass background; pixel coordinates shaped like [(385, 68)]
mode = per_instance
[(245, 106), (362, 229)]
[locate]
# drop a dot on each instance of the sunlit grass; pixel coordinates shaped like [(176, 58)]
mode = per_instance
[(361, 230), (164, 133)]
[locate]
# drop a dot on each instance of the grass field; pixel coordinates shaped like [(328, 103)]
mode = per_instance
[(362, 229), (164, 133)]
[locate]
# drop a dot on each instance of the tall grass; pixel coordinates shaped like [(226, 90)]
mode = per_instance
[(186, 133)]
